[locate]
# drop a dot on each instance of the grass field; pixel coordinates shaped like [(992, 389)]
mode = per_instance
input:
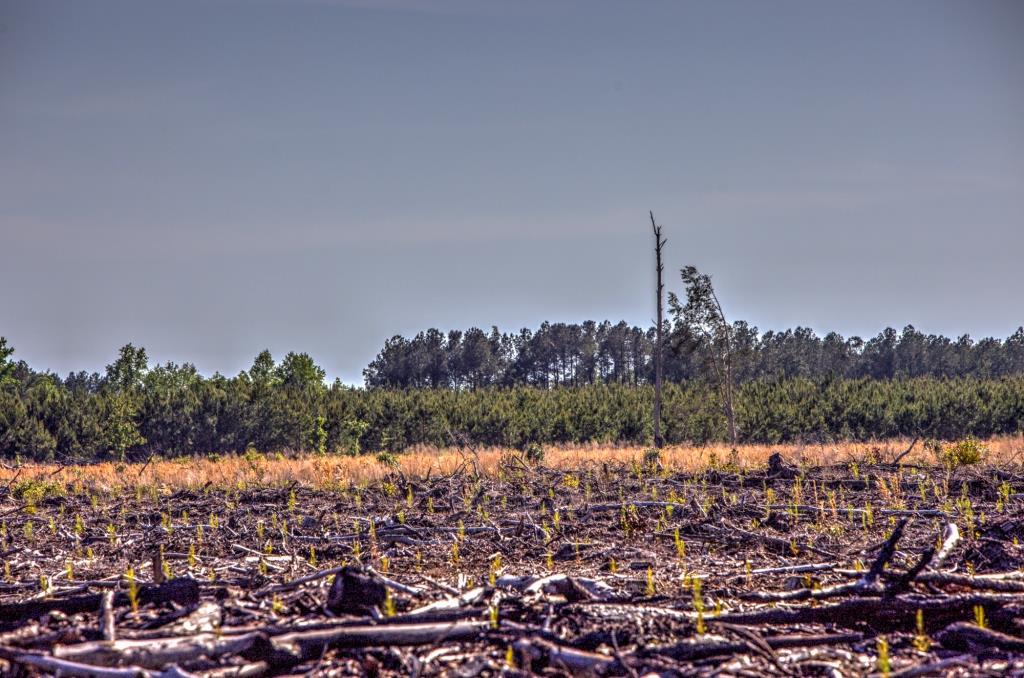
[(334, 471)]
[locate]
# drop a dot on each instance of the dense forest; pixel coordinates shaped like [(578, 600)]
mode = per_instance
[(560, 354), (560, 384)]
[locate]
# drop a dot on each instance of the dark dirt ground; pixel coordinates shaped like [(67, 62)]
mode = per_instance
[(827, 571)]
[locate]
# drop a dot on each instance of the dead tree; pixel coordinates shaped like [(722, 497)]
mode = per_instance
[(659, 243)]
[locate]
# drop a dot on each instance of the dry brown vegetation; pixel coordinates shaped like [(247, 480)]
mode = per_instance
[(421, 462), (827, 561)]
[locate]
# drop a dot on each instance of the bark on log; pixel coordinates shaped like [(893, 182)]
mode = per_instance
[(63, 667), (305, 645), (973, 638), (156, 653), (691, 650), (183, 591), (881, 614), (538, 654)]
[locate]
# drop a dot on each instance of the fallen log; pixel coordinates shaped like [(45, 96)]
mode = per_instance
[(156, 653), (303, 645), (851, 511), (934, 668), (396, 585), (836, 591), (698, 648), (785, 569), (973, 638), (538, 654), (885, 555), (606, 612), (558, 583), (1009, 582), (244, 671), (881, 614), (296, 583), (183, 591), (782, 544), (62, 667), (471, 597)]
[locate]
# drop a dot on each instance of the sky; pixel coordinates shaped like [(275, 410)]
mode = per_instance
[(209, 178)]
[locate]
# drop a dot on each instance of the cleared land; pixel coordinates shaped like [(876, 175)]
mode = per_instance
[(836, 562)]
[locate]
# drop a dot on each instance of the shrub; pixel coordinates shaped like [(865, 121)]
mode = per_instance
[(253, 458), (652, 458), (32, 492), (352, 432), (387, 458), (534, 453), (963, 453)]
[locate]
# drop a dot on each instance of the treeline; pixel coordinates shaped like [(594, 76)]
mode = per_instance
[(133, 409), (560, 354)]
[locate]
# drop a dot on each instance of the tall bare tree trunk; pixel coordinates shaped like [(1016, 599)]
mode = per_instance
[(730, 413), (659, 242)]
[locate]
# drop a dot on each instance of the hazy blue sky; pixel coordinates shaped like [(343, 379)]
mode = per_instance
[(208, 178)]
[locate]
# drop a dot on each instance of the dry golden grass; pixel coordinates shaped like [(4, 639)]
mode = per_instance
[(335, 471)]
